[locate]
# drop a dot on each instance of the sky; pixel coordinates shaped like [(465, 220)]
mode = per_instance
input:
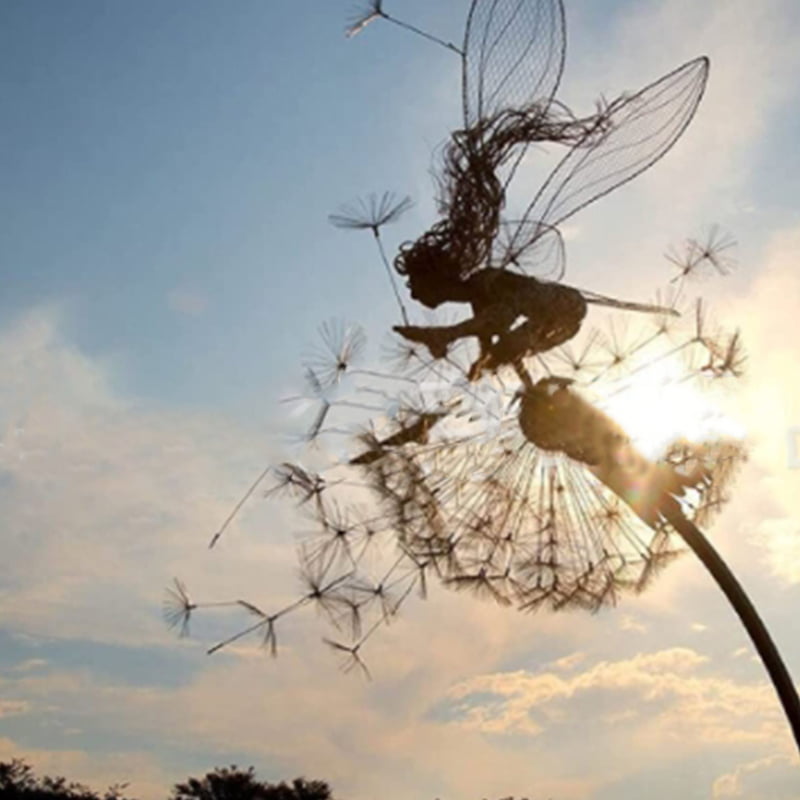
[(165, 262)]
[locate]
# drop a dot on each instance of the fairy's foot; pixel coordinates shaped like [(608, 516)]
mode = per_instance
[(435, 339)]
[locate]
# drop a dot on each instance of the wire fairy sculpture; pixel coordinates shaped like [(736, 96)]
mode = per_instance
[(512, 62), (499, 472)]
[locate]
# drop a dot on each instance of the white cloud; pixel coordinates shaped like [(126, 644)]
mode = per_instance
[(771, 778), (630, 623), (29, 664), (679, 701), (9, 707), (568, 662), (106, 500), (770, 400)]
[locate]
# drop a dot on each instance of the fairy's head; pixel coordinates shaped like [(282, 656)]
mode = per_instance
[(433, 271)]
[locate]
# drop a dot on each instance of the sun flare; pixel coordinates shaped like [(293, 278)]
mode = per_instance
[(656, 405)]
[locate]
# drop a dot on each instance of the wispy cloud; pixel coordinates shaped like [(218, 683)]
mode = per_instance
[(771, 401), (9, 707), (106, 499), (29, 664), (679, 700), (770, 778)]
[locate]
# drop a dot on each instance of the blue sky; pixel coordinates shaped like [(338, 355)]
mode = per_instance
[(165, 260)]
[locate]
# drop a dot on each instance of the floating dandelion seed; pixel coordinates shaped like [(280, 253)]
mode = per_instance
[(665, 323), (695, 257), (363, 17), (294, 480), (577, 359), (402, 355), (413, 428), (178, 608), (371, 214), (714, 250), (374, 10), (268, 638), (264, 622), (320, 587), (333, 543), (352, 657), (342, 346)]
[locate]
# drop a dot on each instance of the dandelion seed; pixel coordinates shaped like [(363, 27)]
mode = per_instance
[(482, 584), (333, 544), (374, 10), (363, 17), (342, 346), (726, 357), (619, 345), (371, 214), (352, 657), (178, 608), (714, 250), (578, 360), (350, 616), (414, 430), (402, 355), (320, 588), (298, 482), (667, 322), (381, 594), (265, 622), (695, 256)]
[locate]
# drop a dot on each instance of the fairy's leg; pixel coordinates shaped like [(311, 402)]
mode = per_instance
[(490, 322), (528, 339)]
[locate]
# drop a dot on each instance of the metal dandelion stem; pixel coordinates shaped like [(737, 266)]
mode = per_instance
[(621, 468), (743, 606)]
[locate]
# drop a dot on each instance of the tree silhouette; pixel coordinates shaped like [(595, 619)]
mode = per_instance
[(232, 783), (18, 782)]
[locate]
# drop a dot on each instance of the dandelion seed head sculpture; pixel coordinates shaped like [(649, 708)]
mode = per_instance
[(486, 460), (521, 492), (489, 460)]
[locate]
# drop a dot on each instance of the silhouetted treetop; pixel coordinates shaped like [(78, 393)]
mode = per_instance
[(18, 782), (232, 783)]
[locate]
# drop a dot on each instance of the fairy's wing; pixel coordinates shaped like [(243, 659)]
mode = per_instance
[(630, 136), (541, 254), (513, 56)]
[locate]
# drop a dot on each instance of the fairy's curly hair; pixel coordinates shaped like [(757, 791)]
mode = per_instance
[(472, 195)]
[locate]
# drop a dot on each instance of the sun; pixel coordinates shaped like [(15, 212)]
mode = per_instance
[(656, 406)]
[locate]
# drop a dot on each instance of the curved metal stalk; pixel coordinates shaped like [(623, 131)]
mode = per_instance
[(743, 606), (554, 417)]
